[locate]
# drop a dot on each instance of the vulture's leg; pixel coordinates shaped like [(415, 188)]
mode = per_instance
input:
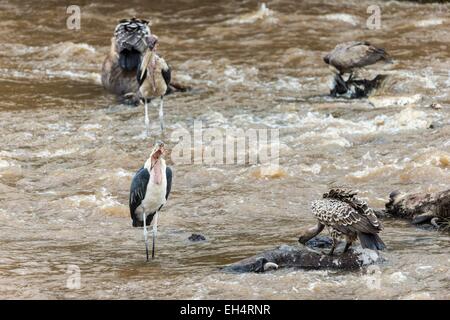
[(348, 242), (333, 246), (335, 237), (341, 85), (347, 246)]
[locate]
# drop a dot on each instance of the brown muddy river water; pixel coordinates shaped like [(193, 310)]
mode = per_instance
[(68, 149)]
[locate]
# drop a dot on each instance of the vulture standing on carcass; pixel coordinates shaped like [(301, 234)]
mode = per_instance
[(348, 56), (345, 215)]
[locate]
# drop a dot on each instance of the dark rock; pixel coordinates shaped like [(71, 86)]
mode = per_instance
[(319, 242), (196, 237)]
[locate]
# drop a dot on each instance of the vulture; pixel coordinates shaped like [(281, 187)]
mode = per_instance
[(348, 56), (347, 216)]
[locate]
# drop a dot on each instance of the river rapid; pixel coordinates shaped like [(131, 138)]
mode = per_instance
[(68, 149)]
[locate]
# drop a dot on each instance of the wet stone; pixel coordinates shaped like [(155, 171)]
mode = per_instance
[(196, 237)]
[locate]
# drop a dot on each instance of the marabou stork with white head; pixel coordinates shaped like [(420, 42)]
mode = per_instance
[(153, 77), (149, 191)]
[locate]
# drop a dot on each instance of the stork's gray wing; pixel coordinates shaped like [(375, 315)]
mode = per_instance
[(138, 189)]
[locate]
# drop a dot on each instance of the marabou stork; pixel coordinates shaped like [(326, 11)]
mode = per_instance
[(153, 78), (149, 191)]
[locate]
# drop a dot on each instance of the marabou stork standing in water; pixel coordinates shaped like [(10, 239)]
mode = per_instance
[(149, 191), (153, 78)]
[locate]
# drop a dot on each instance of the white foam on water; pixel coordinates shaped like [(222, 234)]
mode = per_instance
[(429, 22), (95, 77), (4, 164), (238, 74), (75, 61), (344, 17), (122, 173), (91, 126), (286, 83), (102, 201), (314, 169), (367, 256), (398, 277), (384, 102), (263, 13), (55, 153), (360, 174)]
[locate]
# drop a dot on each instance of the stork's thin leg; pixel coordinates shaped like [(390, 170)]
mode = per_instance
[(147, 123), (145, 234), (161, 114), (155, 230)]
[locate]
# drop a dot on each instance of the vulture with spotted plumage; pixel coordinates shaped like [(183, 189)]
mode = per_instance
[(345, 215)]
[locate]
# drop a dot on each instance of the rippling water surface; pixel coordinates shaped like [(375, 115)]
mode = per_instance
[(68, 149)]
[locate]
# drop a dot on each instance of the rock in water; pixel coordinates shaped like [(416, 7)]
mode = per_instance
[(319, 242), (301, 257), (196, 237)]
